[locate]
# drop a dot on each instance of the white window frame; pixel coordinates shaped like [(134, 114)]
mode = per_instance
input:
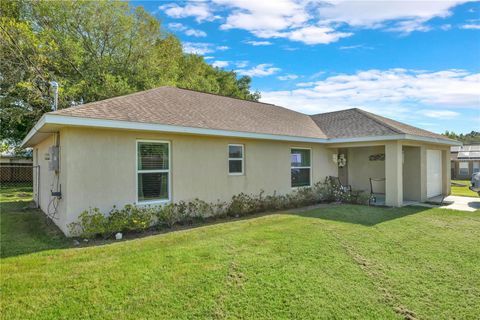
[(169, 171), (310, 167), (242, 159)]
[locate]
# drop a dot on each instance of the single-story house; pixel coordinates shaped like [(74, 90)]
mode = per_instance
[(465, 161), (170, 144)]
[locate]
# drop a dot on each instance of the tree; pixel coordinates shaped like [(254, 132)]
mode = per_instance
[(95, 50), (469, 138)]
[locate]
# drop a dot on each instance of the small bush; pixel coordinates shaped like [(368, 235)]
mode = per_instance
[(139, 218), (90, 223)]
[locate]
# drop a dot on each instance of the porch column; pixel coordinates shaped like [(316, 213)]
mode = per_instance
[(393, 174), (423, 173), (446, 172)]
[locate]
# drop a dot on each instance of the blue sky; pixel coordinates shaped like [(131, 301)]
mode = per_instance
[(414, 61)]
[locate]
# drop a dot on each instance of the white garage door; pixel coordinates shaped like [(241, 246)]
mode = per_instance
[(434, 173)]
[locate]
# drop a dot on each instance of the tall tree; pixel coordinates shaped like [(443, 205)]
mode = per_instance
[(95, 50)]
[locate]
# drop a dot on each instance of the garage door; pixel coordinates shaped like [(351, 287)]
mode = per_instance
[(434, 173)]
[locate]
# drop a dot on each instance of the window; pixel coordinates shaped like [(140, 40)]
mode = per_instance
[(235, 159), (476, 166), (300, 167), (153, 171), (463, 169)]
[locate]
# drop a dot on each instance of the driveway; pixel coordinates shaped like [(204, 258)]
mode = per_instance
[(461, 203)]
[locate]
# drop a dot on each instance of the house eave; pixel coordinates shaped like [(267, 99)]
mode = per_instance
[(58, 120)]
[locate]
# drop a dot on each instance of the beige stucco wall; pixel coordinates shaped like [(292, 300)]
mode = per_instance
[(360, 168), (412, 173), (47, 180), (405, 174), (100, 166)]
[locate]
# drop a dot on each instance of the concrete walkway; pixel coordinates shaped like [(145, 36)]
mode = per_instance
[(461, 203)]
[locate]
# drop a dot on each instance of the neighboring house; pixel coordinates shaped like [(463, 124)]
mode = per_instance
[(465, 161), (169, 144)]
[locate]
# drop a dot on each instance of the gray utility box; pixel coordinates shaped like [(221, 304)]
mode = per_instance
[(54, 163)]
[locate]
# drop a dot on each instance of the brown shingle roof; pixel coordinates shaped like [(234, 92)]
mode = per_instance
[(182, 107), (359, 123), (188, 108)]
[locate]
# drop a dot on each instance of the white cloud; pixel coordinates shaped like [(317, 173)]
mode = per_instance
[(287, 77), (188, 31), (220, 64), (390, 92), (375, 14), (201, 11), (439, 114), (259, 43), (317, 22), (446, 27), (260, 70), (470, 26), (241, 64), (316, 35), (202, 48)]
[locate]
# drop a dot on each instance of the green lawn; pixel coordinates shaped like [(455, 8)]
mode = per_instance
[(15, 195), (336, 262), (463, 191)]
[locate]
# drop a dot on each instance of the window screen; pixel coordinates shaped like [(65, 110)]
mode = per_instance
[(153, 171)]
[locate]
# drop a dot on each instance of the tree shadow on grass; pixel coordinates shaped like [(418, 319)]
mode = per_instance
[(359, 214)]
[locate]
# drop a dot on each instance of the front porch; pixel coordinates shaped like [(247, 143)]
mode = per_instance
[(398, 173)]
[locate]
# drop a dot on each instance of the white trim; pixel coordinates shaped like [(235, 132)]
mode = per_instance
[(400, 136), (303, 167), (130, 125), (242, 159), (169, 171)]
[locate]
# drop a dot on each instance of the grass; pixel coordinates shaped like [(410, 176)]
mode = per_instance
[(463, 190), (334, 262), (15, 195)]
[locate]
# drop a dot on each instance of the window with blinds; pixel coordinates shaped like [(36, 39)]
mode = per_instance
[(300, 164), (153, 171)]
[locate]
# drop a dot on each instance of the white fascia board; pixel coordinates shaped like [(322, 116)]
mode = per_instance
[(129, 125), (395, 137), (40, 123), (432, 140)]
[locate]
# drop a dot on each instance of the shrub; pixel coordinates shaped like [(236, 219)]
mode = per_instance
[(90, 223), (167, 215), (139, 218), (118, 220)]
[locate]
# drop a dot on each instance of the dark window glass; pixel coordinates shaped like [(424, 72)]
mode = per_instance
[(300, 177), (235, 166), (152, 186), (300, 158), (235, 152), (152, 156)]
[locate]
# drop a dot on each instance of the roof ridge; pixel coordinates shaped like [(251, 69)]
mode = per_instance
[(329, 112), (219, 95), (370, 116)]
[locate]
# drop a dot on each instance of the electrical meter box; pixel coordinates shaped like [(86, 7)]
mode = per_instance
[(53, 163)]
